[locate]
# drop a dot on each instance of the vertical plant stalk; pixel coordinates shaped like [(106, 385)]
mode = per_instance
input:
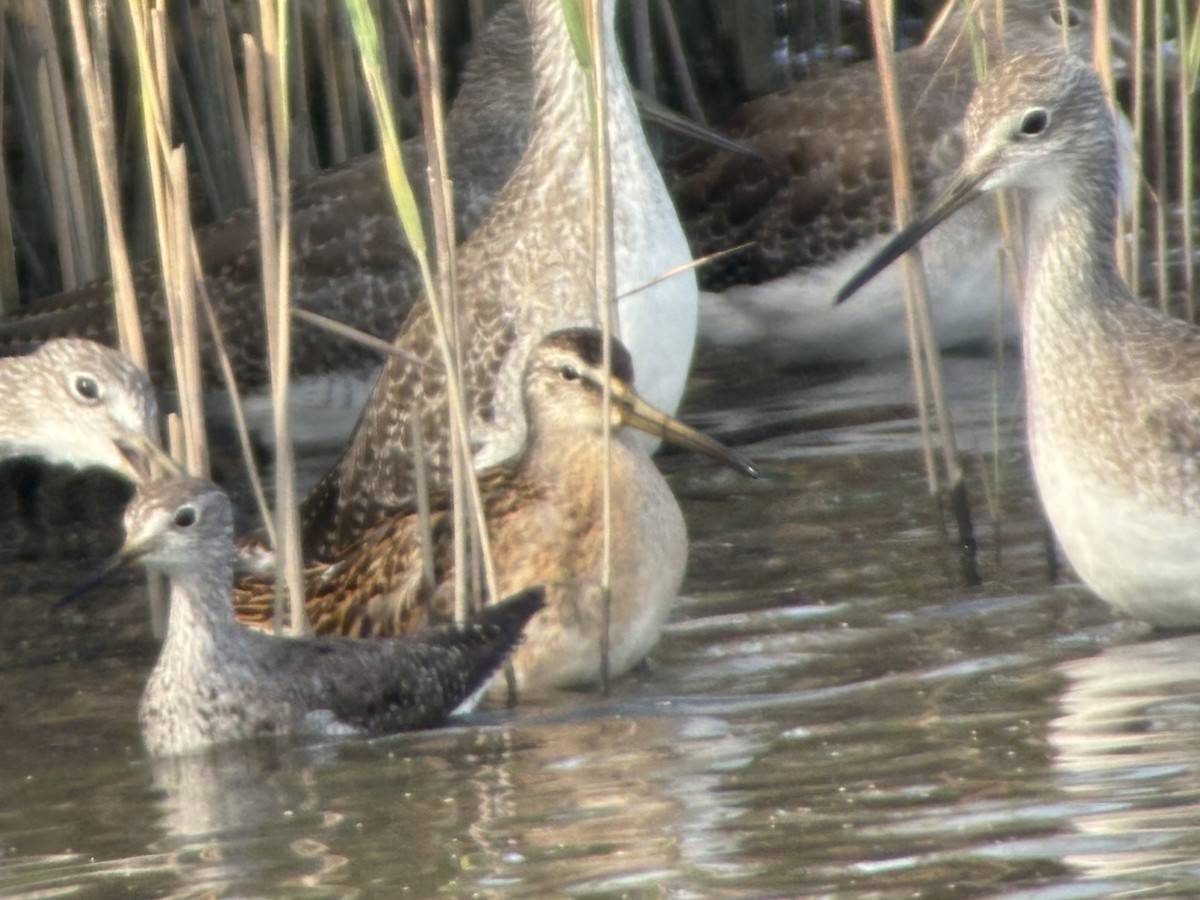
[(467, 496), (173, 232), (8, 256), (228, 89), (689, 97), (331, 68), (79, 224), (366, 34), (643, 46), (68, 262), (585, 20), (1189, 37), (287, 577), (1160, 199), (1133, 274), (274, 20), (172, 214), (423, 40), (1102, 60), (98, 104), (926, 359), (185, 336)]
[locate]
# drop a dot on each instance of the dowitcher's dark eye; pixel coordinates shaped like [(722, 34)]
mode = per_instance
[(86, 388), (185, 517), (1034, 122), (569, 373), (1056, 15)]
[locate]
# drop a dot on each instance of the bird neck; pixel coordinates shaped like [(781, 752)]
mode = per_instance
[(1073, 233), (201, 608), (560, 85), (569, 459)]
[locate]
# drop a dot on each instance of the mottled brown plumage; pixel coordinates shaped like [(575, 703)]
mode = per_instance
[(526, 271), (821, 199), (544, 515)]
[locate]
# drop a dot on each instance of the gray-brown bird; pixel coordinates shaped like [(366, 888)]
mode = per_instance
[(78, 403), (1112, 387), (216, 681)]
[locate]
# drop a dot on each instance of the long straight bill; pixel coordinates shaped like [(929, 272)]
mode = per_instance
[(961, 191)]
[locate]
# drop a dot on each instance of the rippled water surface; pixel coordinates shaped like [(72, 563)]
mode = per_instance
[(831, 711)]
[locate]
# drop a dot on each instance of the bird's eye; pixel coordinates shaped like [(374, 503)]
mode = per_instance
[(569, 373), (1056, 14), (86, 388), (1034, 122), (185, 517)]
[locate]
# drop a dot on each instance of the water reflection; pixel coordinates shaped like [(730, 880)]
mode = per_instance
[(830, 712), (1128, 753)]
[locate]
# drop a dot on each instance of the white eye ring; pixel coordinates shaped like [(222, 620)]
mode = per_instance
[(86, 388)]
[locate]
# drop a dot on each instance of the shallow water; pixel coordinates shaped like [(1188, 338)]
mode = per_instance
[(831, 711)]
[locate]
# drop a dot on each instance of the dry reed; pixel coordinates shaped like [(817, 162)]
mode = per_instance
[(923, 349)]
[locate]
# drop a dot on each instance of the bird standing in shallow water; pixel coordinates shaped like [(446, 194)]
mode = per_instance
[(820, 203), (78, 403), (1112, 387), (544, 513), (526, 271), (216, 681)]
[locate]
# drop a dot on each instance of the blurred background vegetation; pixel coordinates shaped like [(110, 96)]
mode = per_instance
[(699, 56)]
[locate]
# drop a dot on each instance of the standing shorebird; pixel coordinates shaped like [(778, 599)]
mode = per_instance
[(216, 681), (77, 403), (527, 271), (545, 517), (820, 202), (1112, 387)]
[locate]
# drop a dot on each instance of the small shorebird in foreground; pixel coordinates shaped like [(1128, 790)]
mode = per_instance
[(216, 681)]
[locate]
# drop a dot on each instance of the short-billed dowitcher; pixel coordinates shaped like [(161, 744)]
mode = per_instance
[(820, 203), (526, 271), (216, 681), (1112, 387), (75, 402), (544, 513)]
